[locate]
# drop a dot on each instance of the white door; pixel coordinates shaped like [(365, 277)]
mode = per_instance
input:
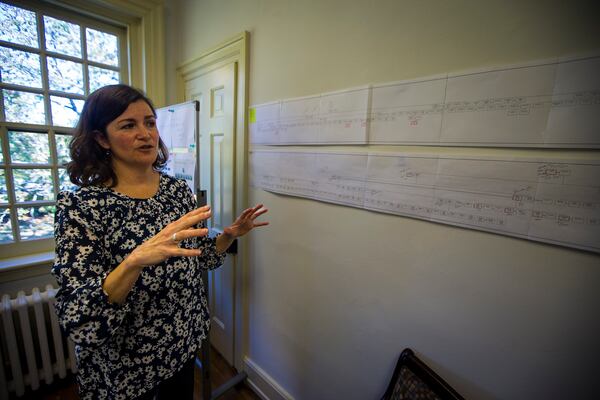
[(215, 90)]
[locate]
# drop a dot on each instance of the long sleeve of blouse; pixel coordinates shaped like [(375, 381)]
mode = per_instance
[(81, 266)]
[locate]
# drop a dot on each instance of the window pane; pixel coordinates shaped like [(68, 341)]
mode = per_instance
[(62, 36), (18, 25), (20, 67), (65, 111), (3, 191), (66, 76), (36, 222), (101, 77), (24, 107), (65, 183), (33, 184), (62, 148), (5, 226), (29, 147), (102, 47)]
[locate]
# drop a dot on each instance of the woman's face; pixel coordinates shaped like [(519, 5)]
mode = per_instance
[(132, 137)]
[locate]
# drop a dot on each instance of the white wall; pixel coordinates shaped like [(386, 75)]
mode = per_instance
[(336, 293)]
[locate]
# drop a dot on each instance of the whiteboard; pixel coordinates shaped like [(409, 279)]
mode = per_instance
[(178, 128)]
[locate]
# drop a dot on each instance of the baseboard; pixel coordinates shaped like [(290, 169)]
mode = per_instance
[(263, 384)]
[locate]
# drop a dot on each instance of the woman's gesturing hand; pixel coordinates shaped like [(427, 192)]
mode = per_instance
[(246, 222), (165, 243)]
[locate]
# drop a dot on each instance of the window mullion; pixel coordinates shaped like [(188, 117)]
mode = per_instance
[(44, 67), (20, 88), (2, 116), (66, 94), (31, 165), (10, 190), (21, 126), (104, 66), (17, 46), (37, 203), (54, 161), (84, 56)]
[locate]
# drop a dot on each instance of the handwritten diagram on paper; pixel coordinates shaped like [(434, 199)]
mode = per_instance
[(545, 104), (344, 116), (411, 111), (177, 127), (330, 118), (575, 103), (554, 104), (498, 107), (264, 124), (553, 201)]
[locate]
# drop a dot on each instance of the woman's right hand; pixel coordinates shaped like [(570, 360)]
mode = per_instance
[(165, 243)]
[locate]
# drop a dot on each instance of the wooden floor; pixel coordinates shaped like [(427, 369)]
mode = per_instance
[(220, 372)]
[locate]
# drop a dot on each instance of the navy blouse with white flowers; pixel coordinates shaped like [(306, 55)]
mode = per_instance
[(125, 350)]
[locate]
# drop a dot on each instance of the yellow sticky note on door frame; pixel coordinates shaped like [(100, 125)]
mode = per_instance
[(252, 115)]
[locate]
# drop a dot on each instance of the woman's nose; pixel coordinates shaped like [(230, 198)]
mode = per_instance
[(144, 131)]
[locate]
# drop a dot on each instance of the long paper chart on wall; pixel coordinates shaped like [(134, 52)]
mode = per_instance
[(549, 104), (553, 201), (553, 103)]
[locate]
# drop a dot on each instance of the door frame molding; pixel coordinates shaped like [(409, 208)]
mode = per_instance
[(233, 50)]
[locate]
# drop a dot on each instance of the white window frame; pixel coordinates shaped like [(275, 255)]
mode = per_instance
[(143, 21), (145, 24)]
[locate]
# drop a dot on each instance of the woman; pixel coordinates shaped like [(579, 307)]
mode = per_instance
[(130, 247)]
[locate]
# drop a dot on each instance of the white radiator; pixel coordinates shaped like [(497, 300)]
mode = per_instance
[(32, 347)]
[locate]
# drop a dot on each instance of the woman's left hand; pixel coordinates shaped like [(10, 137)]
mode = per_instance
[(246, 222)]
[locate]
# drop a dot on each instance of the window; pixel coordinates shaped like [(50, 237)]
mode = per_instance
[(50, 60)]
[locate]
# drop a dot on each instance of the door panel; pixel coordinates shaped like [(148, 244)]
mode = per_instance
[(216, 149), (216, 92)]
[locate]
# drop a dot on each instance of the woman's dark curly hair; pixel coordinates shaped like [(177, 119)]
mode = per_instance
[(90, 163)]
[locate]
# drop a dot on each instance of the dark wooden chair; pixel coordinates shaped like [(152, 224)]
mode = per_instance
[(413, 380)]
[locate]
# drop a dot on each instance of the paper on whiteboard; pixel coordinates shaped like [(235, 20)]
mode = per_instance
[(176, 125)]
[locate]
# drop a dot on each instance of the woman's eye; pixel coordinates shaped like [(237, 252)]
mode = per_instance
[(127, 126), (151, 124)]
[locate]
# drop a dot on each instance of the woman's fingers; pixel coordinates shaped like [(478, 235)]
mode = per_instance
[(254, 209), (253, 212), (258, 213), (192, 218), (189, 233), (187, 252)]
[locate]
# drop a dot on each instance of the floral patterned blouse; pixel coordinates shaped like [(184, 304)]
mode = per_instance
[(125, 350)]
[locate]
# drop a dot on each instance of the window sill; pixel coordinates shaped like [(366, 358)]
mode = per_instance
[(12, 269)]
